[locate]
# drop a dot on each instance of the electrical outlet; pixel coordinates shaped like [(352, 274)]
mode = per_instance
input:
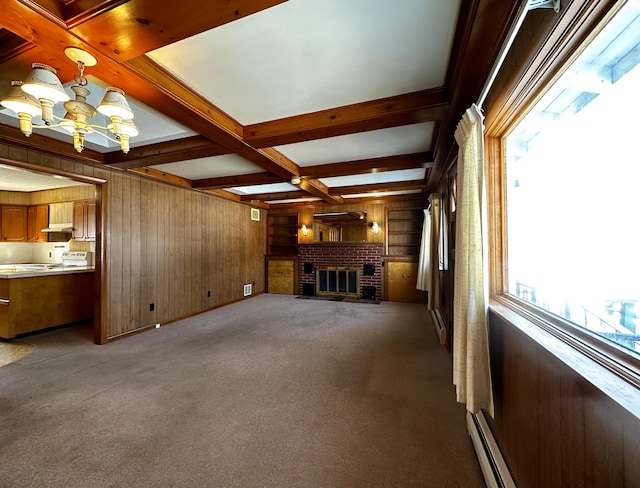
[(209, 294), (152, 307)]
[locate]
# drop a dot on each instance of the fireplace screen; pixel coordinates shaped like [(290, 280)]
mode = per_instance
[(336, 281)]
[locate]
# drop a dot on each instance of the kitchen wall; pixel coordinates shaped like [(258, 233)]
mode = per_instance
[(167, 252), (32, 252)]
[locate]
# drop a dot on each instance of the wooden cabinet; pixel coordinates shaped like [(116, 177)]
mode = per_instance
[(35, 303), (13, 221), (404, 231), (283, 234), (401, 278), (37, 219), (84, 220), (282, 275)]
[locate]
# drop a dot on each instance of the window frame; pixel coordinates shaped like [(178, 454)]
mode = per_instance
[(545, 46)]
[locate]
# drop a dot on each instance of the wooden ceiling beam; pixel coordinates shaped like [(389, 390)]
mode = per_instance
[(127, 30), (238, 180), (411, 108), (166, 177), (320, 190), (353, 201), (373, 165), (189, 148), (287, 195), (378, 187)]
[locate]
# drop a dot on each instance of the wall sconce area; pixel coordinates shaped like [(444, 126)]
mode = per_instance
[(305, 231), (375, 228)]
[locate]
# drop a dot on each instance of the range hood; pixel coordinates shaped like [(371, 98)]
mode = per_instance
[(66, 228)]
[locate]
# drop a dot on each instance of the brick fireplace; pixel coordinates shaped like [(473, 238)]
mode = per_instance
[(366, 258)]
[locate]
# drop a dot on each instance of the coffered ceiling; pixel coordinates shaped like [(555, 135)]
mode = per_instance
[(357, 98)]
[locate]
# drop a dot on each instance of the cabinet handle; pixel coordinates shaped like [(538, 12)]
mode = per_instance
[(4, 301)]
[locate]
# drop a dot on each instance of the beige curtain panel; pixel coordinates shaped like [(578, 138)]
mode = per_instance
[(471, 373)]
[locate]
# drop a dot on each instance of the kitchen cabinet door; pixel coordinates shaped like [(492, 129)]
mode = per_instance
[(84, 220), (37, 219), (401, 282), (14, 223)]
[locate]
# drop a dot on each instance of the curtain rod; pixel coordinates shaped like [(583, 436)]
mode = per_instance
[(504, 49)]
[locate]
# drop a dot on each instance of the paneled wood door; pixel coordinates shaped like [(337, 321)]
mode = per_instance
[(282, 275), (14, 223), (401, 282)]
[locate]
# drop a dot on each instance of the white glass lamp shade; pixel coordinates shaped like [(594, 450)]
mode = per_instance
[(126, 127), (20, 101), (115, 104), (43, 84), (129, 128)]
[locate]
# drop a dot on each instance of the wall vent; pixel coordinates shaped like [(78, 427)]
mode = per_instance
[(248, 289)]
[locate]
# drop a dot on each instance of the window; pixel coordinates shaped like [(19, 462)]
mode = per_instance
[(573, 190)]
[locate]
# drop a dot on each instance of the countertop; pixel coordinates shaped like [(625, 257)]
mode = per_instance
[(17, 272)]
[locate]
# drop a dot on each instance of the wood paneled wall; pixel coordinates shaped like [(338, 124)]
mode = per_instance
[(553, 427), (166, 245)]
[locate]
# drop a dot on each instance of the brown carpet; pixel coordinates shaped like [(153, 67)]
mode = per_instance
[(268, 392)]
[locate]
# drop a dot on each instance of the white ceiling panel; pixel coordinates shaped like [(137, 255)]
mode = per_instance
[(13, 178), (212, 167), (307, 55), (364, 145), (372, 178), (269, 188)]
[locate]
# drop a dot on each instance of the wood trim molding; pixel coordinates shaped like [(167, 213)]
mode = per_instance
[(545, 44), (101, 311), (188, 148), (496, 214)]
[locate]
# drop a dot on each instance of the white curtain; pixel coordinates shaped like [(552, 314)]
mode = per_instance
[(422, 282), (443, 247), (433, 298), (471, 373)]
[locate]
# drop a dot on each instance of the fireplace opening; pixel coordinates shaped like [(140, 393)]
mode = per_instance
[(334, 281)]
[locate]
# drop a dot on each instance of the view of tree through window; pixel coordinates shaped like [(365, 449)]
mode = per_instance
[(573, 190)]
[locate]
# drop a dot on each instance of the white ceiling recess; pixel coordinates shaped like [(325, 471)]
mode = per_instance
[(308, 55)]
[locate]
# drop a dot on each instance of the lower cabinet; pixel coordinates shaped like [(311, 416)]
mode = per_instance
[(41, 302), (282, 275), (401, 281)]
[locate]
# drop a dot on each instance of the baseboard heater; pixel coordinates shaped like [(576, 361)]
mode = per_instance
[(494, 469), (441, 330)]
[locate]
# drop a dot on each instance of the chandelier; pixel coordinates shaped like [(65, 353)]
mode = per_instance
[(41, 90)]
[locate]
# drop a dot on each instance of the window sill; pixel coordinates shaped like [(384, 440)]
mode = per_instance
[(619, 381)]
